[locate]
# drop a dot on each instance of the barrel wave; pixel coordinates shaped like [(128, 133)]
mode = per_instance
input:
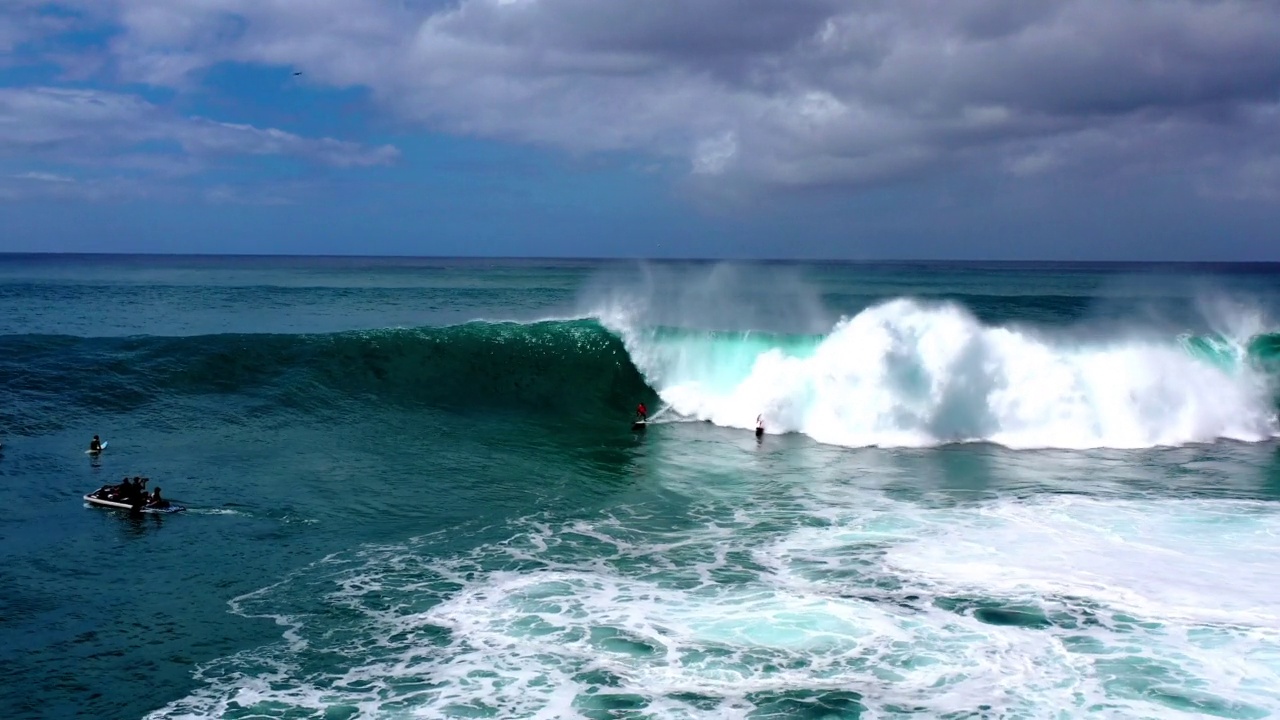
[(572, 369)]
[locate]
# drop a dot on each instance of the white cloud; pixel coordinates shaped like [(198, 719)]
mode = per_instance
[(1035, 162), (124, 133), (41, 185), (229, 195), (714, 154), (44, 177), (205, 137), (22, 22)]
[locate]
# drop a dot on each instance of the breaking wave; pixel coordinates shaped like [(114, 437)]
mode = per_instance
[(907, 373), (903, 373)]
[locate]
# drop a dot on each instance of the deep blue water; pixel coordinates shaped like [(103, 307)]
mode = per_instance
[(1005, 490)]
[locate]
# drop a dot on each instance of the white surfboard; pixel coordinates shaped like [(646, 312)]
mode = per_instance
[(101, 447)]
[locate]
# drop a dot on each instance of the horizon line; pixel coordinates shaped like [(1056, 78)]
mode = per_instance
[(352, 256)]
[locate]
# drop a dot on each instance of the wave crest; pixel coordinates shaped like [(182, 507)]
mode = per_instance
[(900, 374)]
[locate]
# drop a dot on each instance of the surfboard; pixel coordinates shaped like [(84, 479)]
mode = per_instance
[(639, 425), (101, 447)]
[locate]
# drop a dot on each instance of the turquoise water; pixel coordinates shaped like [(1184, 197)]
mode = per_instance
[(984, 491)]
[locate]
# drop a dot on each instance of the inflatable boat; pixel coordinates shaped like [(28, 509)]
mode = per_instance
[(93, 499)]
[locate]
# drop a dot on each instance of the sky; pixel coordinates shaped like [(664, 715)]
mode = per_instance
[(850, 129)]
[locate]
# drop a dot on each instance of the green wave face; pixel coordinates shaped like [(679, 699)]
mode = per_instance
[(1261, 352), (718, 361), (561, 369), (1264, 350)]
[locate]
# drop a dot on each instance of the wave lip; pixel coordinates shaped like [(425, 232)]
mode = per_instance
[(909, 374)]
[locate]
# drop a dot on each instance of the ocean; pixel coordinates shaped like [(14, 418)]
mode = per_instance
[(985, 490)]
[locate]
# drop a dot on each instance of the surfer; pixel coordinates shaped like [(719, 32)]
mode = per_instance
[(155, 501), (642, 413), (759, 425), (95, 445)]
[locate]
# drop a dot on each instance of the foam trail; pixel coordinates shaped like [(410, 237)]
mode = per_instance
[(906, 373)]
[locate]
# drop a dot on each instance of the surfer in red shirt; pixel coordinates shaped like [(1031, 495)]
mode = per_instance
[(642, 413)]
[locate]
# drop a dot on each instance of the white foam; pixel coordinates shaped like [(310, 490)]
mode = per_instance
[(1184, 561), (1151, 607), (1181, 591), (909, 374)]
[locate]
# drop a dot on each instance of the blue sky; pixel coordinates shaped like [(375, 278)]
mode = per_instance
[(1001, 129)]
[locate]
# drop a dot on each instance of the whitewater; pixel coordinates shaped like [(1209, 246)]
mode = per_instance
[(911, 374), (985, 491)]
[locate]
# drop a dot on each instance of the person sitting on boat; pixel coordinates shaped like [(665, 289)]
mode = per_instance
[(156, 501), (130, 490), (95, 445), (115, 492)]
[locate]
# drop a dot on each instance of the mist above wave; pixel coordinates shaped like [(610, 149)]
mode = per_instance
[(919, 372)]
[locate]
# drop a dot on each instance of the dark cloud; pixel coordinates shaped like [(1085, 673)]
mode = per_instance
[(732, 35), (778, 92)]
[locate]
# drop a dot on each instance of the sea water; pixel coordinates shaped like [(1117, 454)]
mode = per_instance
[(996, 491)]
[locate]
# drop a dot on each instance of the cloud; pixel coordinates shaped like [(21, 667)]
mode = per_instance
[(798, 93), (44, 177), (64, 124), (39, 185), (206, 137), (229, 195), (116, 133), (23, 23)]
